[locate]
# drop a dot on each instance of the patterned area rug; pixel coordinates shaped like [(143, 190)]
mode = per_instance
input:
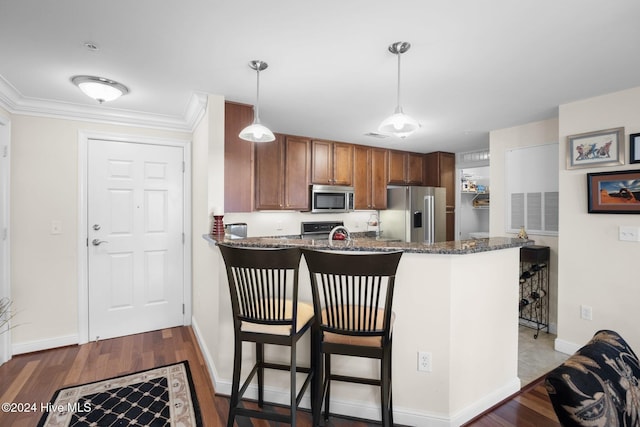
[(161, 396)]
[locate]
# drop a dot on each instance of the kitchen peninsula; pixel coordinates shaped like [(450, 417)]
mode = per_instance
[(456, 301)]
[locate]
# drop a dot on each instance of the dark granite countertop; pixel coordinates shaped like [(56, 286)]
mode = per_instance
[(366, 243)]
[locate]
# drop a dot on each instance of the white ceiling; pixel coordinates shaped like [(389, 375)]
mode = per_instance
[(474, 66)]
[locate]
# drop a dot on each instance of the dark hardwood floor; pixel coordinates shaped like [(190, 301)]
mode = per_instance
[(529, 408), (34, 377)]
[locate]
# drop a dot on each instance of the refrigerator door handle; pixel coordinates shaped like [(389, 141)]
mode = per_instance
[(429, 227)]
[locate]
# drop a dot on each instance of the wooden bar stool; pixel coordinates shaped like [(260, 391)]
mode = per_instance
[(263, 284), (352, 298)]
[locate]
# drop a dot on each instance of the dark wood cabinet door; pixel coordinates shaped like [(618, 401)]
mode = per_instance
[(342, 164), (448, 177), (450, 225), (378, 178), (405, 168), (322, 162), (238, 159), (296, 173), (415, 166), (370, 177), (441, 172), (269, 174), (397, 167), (362, 177)]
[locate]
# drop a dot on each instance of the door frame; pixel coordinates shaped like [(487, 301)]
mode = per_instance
[(6, 351), (83, 258)]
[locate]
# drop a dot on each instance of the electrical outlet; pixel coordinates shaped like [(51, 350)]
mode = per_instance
[(424, 361), (56, 227), (586, 312)]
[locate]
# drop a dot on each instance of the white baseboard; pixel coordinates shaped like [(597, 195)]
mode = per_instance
[(213, 372), (566, 347), (46, 344), (360, 409), (485, 403)]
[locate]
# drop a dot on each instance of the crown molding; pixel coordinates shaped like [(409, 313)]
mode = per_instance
[(15, 103)]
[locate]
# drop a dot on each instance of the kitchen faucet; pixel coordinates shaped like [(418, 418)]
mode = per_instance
[(340, 228)]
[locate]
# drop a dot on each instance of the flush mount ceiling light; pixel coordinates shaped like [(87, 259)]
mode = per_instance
[(99, 88), (399, 124), (256, 132)]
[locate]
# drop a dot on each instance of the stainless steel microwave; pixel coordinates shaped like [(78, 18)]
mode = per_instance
[(331, 199)]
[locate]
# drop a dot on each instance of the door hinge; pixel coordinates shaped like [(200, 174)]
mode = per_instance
[(183, 238), (87, 242), (182, 308), (183, 167), (5, 234), (5, 151)]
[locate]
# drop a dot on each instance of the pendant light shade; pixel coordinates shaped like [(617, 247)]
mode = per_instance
[(399, 124), (100, 88), (256, 132)]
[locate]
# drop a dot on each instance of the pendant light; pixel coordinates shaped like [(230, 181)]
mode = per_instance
[(256, 132), (399, 124), (100, 88)]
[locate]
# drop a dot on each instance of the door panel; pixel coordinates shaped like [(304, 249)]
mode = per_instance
[(135, 248)]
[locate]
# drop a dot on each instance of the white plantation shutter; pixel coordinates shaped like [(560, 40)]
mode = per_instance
[(532, 189)]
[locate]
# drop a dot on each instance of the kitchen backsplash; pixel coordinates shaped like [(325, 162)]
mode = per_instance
[(278, 223)]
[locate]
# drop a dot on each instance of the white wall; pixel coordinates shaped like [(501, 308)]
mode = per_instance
[(44, 187), (207, 191), (595, 268), (500, 141)]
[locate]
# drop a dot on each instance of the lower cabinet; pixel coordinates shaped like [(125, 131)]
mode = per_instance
[(282, 173), (370, 177)]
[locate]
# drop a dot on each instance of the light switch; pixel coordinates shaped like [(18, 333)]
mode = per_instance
[(629, 233)]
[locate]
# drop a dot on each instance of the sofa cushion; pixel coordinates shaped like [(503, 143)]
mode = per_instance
[(599, 385)]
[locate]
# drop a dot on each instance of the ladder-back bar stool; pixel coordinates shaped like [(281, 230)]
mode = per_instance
[(352, 298), (263, 284)]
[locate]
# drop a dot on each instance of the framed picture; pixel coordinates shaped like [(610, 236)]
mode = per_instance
[(634, 148), (614, 192), (601, 148)]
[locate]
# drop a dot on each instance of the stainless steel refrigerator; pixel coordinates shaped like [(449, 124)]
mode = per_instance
[(414, 214)]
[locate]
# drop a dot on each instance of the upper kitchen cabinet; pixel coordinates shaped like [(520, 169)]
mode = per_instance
[(332, 163), (282, 173), (370, 177), (405, 168), (238, 159)]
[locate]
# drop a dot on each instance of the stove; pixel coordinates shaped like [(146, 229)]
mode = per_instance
[(317, 229)]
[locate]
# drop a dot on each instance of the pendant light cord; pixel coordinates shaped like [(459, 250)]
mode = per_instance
[(257, 107), (398, 108)]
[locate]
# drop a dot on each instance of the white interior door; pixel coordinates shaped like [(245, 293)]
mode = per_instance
[(135, 241)]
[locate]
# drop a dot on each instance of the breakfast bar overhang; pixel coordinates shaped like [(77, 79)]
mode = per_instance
[(457, 301)]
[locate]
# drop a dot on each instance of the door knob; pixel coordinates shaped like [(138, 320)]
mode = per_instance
[(97, 242), (96, 227)]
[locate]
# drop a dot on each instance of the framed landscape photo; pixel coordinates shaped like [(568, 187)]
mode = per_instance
[(601, 148), (614, 192), (634, 148)]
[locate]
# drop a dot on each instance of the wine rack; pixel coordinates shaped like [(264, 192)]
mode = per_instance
[(534, 288)]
